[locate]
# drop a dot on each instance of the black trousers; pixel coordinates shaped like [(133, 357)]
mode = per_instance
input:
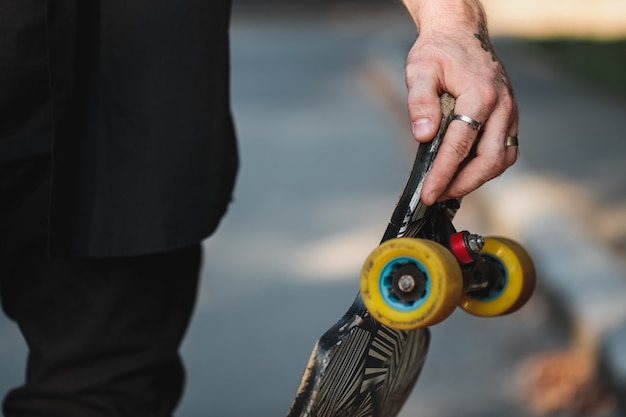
[(103, 334)]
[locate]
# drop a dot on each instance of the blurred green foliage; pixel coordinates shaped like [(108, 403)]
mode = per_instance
[(598, 64)]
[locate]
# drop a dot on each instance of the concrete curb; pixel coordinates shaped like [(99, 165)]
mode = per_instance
[(613, 363), (582, 279)]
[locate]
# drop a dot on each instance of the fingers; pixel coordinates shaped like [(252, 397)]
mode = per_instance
[(455, 171), (471, 72), (454, 149)]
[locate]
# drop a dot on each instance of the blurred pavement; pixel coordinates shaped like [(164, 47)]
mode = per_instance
[(325, 149)]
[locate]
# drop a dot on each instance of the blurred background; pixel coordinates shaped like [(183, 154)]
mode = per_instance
[(319, 103)]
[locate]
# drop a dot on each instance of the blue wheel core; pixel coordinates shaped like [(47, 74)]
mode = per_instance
[(386, 285), (497, 284)]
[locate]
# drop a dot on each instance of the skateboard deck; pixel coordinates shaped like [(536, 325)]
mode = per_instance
[(360, 367)]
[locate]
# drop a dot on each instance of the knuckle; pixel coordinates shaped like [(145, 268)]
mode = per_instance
[(418, 71), (507, 102), (488, 95), (497, 166), (460, 148)]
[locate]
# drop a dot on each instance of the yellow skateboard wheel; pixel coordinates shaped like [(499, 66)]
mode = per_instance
[(512, 285), (410, 283)]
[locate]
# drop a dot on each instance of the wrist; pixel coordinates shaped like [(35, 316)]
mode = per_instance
[(443, 15)]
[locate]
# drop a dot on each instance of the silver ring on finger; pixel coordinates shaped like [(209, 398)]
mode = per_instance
[(473, 123)]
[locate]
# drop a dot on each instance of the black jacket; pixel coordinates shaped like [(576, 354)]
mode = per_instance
[(144, 154)]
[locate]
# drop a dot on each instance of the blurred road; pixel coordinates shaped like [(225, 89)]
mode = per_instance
[(325, 151)]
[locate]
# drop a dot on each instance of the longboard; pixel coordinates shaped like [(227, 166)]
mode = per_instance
[(359, 367)]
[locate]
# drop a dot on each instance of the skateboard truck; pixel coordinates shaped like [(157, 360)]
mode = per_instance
[(466, 246)]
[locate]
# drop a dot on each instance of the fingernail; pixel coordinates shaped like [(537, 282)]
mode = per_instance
[(422, 128)]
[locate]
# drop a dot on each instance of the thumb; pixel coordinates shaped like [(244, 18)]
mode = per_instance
[(424, 113)]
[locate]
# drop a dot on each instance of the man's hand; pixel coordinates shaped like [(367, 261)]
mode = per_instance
[(453, 53)]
